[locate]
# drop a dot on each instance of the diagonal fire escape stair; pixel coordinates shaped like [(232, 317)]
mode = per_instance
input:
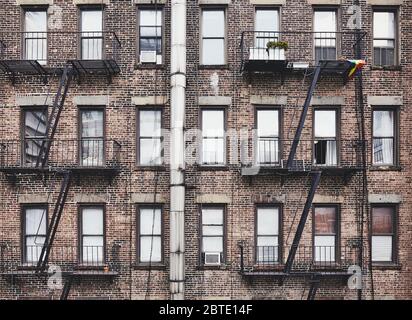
[(314, 285), (66, 288)]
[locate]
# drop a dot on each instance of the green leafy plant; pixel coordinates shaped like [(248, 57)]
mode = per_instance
[(277, 44)]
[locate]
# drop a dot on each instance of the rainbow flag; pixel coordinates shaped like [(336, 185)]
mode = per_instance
[(357, 65)]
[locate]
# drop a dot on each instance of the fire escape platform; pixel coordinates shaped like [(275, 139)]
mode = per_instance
[(76, 273), (31, 67), (327, 171), (74, 170), (330, 273), (95, 67)]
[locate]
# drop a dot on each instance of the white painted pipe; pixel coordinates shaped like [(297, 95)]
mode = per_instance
[(177, 149)]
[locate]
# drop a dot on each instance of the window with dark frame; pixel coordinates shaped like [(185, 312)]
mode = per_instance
[(34, 134), (325, 137), (267, 123), (383, 139), (266, 29), (213, 37), (150, 137), (325, 233), (384, 37), (213, 137), (150, 246), (92, 242), (91, 35), (35, 34), (34, 232), (325, 28), (92, 137), (267, 234), (383, 233), (150, 35), (212, 234)]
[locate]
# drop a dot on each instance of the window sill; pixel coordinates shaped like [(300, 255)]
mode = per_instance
[(214, 67), (139, 66), (150, 168), (387, 68), (101, 267), (155, 266), (386, 266), (205, 167), (211, 267), (385, 168)]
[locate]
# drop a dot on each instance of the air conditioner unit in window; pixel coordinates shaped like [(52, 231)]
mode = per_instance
[(212, 258), (148, 56)]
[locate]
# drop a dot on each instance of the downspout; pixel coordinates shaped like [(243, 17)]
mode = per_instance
[(177, 148)]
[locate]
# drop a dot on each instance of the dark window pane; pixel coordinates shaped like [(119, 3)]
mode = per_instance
[(325, 220), (382, 220), (151, 44)]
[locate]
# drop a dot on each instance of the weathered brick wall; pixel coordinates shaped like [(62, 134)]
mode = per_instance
[(225, 282)]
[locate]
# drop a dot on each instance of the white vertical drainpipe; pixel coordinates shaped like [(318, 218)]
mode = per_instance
[(177, 149)]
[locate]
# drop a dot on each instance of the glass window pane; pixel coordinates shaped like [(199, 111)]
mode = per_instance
[(35, 221), (267, 20), (268, 123), (384, 25), (150, 249), (213, 23), (382, 248), (36, 21), (151, 44), (150, 31), (150, 221), (212, 244), (383, 123), (92, 250), (324, 21), (92, 123), (150, 152), (382, 220), (212, 230), (213, 123), (150, 123), (213, 151), (268, 221), (91, 20), (212, 216), (92, 221), (324, 248), (92, 152), (383, 151), (267, 241), (33, 248), (213, 51), (325, 220), (150, 17), (267, 252), (325, 123)]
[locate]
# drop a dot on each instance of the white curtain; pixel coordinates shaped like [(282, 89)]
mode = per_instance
[(383, 132), (331, 153)]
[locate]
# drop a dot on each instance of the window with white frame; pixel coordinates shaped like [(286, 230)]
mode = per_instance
[(92, 235), (267, 234), (325, 142), (384, 38), (35, 35), (213, 137), (213, 37), (212, 230), (150, 137), (325, 27), (150, 234), (383, 137), (91, 34), (325, 233), (150, 35), (34, 232), (267, 123), (383, 233)]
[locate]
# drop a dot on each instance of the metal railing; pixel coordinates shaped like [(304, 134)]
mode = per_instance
[(65, 153), (303, 46), (54, 48), (311, 153)]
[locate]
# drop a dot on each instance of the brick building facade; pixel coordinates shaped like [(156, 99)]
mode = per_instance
[(240, 222)]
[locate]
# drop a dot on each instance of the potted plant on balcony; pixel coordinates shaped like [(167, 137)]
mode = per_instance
[(276, 50)]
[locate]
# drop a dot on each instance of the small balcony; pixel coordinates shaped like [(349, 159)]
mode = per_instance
[(320, 260), (46, 53), (270, 52), (329, 155), (73, 260), (84, 156)]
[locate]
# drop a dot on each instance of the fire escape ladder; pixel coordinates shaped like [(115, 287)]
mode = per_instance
[(54, 222), (66, 288), (303, 117), (54, 116), (314, 285), (315, 182)]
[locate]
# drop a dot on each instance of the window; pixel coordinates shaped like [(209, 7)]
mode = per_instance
[(383, 233), (325, 143), (92, 235), (212, 232), (325, 232), (150, 35), (91, 34), (150, 137), (35, 35), (384, 38), (383, 137), (268, 136), (34, 134), (92, 138), (150, 246), (213, 37), (213, 137), (267, 29), (325, 28), (267, 235), (34, 232)]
